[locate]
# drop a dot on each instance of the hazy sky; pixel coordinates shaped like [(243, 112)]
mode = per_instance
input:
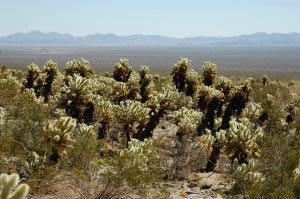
[(177, 18)]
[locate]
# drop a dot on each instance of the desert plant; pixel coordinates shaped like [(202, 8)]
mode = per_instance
[(9, 188), (241, 141), (75, 98), (51, 71), (159, 105), (131, 170), (130, 112), (192, 82), (187, 120), (179, 73), (60, 134), (245, 176), (122, 71), (32, 72), (146, 83), (105, 113), (79, 67), (133, 86), (209, 73)]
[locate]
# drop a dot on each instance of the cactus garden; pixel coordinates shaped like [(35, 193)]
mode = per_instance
[(74, 132)]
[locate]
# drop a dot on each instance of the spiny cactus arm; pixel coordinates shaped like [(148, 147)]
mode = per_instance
[(8, 183)]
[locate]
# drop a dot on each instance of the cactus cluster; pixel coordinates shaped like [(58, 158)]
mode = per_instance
[(41, 80), (241, 140), (60, 133), (75, 97), (187, 120), (130, 112), (122, 71), (246, 174)]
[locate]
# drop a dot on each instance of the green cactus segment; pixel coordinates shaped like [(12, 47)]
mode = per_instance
[(9, 188)]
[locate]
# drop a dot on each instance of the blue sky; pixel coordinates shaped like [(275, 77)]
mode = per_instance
[(176, 18)]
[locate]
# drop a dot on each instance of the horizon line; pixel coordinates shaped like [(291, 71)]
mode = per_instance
[(137, 34)]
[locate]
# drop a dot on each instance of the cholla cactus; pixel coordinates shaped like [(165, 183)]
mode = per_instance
[(179, 73), (159, 104), (237, 103), (122, 71), (133, 168), (60, 133), (225, 85), (32, 72), (146, 83), (187, 120), (105, 113), (245, 175), (80, 67), (265, 80), (253, 111), (209, 73), (192, 81), (130, 112), (143, 152), (207, 140), (165, 99), (75, 97), (9, 188), (51, 71), (133, 86), (241, 141), (205, 94)]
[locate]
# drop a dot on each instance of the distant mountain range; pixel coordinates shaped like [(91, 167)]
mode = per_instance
[(54, 38)]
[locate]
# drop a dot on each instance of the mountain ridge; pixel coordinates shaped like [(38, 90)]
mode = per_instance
[(110, 39)]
